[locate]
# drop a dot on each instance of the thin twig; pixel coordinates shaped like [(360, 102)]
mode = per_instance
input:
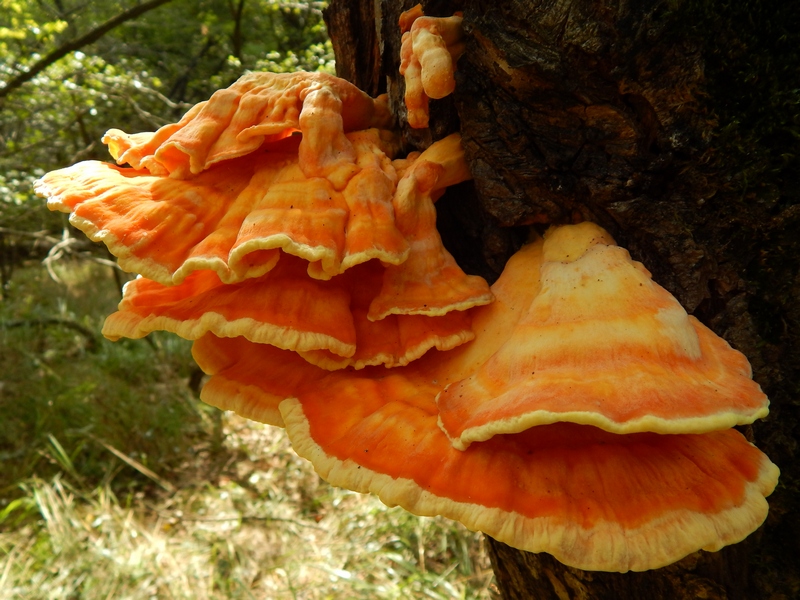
[(67, 246), (91, 340), (132, 462), (234, 518), (76, 44), (40, 235)]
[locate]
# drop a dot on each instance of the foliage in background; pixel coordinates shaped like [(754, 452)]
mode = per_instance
[(139, 76)]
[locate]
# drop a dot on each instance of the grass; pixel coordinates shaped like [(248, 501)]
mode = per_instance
[(118, 483), (270, 528), (84, 392)]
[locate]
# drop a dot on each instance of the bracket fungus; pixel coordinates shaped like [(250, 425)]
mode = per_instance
[(326, 322), (430, 48), (235, 230), (429, 282), (597, 313), (594, 499), (235, 217), (588, 417), (258, 109)]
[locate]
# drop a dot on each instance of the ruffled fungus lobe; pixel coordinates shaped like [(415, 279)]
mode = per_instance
[(430, 48), (324, 321), (429, 282), (258, 109), (209, 248), (594, 499), (156, 226), (284, 308), (602, 344), (371, 229), (250, 379), (234, 218), (396, 339)]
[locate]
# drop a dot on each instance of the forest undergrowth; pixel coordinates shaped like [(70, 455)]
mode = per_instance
[(117, 482)]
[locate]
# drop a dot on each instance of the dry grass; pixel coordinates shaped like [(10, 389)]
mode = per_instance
[(117, 483), (269, 529)]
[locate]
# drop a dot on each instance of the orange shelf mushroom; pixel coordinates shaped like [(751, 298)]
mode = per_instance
[(285, 308), (395, 339), (246, 377), (159, 227), (428, 282), (602, 344), (250, 379), (274, 251), (594, 499), (430, 48), (209, 247), (234, 218), (221, 276), (260, 108), (324, 321)]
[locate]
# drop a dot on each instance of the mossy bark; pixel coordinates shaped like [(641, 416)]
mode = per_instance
[(674, 124)]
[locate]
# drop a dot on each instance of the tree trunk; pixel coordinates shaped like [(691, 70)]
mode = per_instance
[(674, 124)]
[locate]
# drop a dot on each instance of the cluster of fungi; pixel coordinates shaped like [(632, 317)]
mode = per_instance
[(572, 408)]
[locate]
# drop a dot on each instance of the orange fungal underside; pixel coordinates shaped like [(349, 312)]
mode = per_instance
[(593, 499), (325, 321)]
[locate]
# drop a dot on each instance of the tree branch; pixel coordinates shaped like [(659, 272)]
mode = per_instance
[(237, 40), (88, 334), (76, 44)]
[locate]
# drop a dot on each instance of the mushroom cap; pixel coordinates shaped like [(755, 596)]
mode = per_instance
[(259, 108), (284, 308), (325, 321), (159, 227), (244, 374), (235, 218), (437, 43), (371, 231), (408, 17), (394, 340), (415, 98), (593, 499), (429, 281), (602, 344), (250, 379)]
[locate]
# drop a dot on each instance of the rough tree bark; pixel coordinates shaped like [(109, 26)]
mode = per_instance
[(674, 124)]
